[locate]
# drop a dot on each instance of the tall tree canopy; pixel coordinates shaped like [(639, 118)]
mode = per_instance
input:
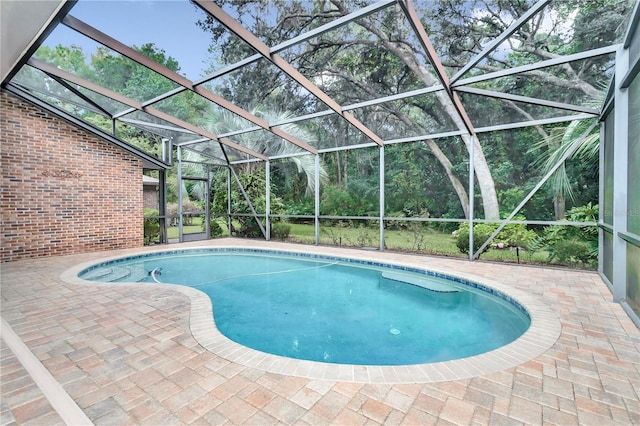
[(379, 55)]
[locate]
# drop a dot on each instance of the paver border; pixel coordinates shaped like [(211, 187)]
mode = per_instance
[(543, 332)]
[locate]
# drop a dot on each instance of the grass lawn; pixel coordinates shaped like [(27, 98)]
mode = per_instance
[(426, 241), (194, 228)]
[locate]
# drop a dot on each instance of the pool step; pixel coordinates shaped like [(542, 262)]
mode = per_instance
[(97, 274), (117, 274), (425, 282)]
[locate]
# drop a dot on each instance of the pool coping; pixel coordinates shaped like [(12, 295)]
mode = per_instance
[(543, 332)]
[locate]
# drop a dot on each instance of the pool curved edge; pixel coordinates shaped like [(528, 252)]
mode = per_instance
[(543, 332)]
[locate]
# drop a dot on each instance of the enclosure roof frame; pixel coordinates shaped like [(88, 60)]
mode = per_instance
[(452, 86)]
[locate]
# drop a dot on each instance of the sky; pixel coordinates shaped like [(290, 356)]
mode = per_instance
[(169, 24)]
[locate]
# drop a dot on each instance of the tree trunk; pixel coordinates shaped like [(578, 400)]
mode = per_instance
[(345, 165), (485, 180), (339, 167), (559, 201), (457, 185), (482, 172), (444, 161), (559, 206)]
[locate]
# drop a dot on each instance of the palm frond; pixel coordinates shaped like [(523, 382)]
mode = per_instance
[(562, 140), (271, 146)]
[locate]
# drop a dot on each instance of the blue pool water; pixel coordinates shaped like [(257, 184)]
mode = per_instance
[(331, 310)]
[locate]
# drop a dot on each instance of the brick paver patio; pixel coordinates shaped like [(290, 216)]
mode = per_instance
[(126, 355)]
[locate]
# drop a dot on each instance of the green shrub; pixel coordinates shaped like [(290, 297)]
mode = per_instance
[(481, 233), (303, 207), (215, 230), (246, 227), (280, 230), (254, 186), (151, 226), (512, 235), (575, 245), (572, 251), (515, 234)]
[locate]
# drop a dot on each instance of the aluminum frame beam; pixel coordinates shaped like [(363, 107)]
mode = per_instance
[(82, 96), (187, 148), (622, 142), (324, 113), (337, 23), (54, 71), (31, 89), (472, 139), (171, 119), (235, 27), (418, 92), (527, 99), (361, 13), (304, 117), (150, 160), (399, 96), (534, 123), (631, 74), (479, 130), (154, 100), (432, 55), (156, 125), (538, 65), (424, 137), (136, 56), (633, 26), (252, 118), (117, 46), (500, 39)]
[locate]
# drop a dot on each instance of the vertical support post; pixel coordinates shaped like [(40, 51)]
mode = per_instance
[(167, 147), (472, 144), (113, 126), (180, 236), (229, 218), (162, 205), (382, 202), (620, 176), (317, 199), (601, 180), (207, 201), (267, 207)]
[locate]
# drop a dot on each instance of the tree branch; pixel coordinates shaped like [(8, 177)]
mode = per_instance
[(528, 116)]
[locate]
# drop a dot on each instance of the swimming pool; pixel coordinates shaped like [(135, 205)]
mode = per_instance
[(334, 310)]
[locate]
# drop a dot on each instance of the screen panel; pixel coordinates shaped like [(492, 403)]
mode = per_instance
[(609, 148), (607, 253), (633, 278), (633, 179)]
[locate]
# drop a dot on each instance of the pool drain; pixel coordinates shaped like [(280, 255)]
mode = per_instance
[(394, 331)]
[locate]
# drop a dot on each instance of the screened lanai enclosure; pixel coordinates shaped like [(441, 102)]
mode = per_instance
[(505, 130)]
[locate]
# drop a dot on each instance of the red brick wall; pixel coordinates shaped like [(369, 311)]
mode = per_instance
[(63, 190), (150, 197)]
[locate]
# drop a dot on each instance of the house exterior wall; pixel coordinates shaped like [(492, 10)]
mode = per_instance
[(150, 197), (64, 190)]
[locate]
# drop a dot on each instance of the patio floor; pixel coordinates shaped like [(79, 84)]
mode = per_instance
[(126, 354)]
